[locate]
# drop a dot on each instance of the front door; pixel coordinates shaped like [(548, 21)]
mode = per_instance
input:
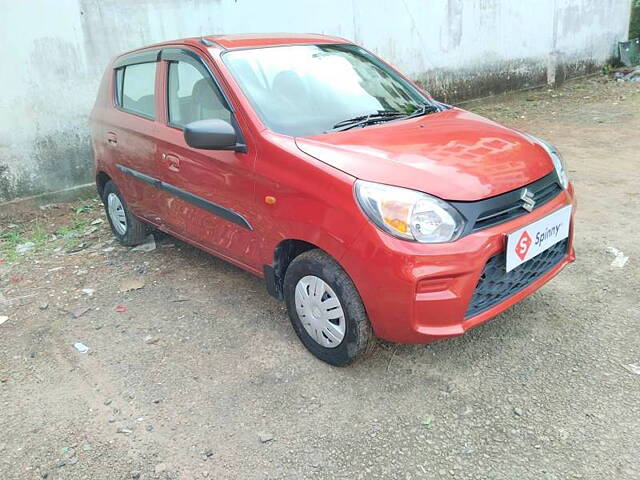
[(211, 192)]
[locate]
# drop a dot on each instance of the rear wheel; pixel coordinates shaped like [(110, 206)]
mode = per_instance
[(325, 309), (125, 227)]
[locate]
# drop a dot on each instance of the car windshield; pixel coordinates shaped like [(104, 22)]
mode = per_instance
[(304, 90)]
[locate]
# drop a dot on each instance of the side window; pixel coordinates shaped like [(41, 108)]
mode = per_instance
[(135, 88), (192, 95), (119, 78)]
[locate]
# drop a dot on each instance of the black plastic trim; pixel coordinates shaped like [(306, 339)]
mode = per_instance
[(210, 43), (496, 285), (271, 280), (493, 211), (199, 202), (147, 56), (206, 42)]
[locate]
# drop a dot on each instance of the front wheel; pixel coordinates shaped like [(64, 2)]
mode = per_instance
[(325, 309), (125, 227)]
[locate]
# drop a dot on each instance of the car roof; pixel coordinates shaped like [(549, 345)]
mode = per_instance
[(248, 40), (253, 40)]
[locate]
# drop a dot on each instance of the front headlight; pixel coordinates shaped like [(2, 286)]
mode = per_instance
[(556, 158), (409, 214)]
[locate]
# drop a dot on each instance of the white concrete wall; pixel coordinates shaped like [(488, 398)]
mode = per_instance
[(54, 53)]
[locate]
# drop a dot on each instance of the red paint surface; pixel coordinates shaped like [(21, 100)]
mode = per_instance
[(454, 155)]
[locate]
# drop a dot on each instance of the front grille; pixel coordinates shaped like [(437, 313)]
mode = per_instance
[(496, 284), (515, 209), (502, 208)]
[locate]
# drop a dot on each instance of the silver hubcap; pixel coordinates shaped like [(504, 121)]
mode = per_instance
[(320, 311), (116, 213)]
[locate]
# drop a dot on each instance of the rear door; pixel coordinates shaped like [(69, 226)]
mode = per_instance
[(211, 201), (133, 130)]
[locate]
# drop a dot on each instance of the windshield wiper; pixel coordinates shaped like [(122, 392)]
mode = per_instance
[(424, 109), (384, 115), (362, 120)]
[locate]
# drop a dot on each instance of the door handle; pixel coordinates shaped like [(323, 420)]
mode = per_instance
[(173, 162), (112, 138)]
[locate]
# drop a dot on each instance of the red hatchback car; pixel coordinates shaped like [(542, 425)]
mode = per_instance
[(370, 208)]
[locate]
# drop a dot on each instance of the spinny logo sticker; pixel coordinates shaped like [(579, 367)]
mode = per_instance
[(523, 245)]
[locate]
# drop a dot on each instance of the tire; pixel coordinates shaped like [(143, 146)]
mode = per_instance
[(130, 231), (358, 337)]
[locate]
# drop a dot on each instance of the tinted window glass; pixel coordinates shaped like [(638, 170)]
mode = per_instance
[(137, 93), (119, 77), (306, 89), (193, 96)]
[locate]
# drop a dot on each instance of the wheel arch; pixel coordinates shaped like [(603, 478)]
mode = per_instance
[(101, 180), (285, 252)]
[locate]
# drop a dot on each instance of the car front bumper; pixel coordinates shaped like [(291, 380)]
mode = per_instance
[(420, 293)]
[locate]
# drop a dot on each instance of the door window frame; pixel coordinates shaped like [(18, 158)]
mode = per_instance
[(145, 56), (174, 55)]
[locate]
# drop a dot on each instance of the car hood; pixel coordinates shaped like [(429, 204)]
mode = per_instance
[(454, 155)]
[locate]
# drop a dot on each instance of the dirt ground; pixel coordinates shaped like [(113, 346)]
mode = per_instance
[(195, 372)]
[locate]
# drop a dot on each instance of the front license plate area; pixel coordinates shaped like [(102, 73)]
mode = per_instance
[(535, 238)]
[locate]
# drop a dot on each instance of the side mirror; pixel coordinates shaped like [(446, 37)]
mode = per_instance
[(213, 134)]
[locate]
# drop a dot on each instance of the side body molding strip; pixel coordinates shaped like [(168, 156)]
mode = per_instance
[(199, 202)]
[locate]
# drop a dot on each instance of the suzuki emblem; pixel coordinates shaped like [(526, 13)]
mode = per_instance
[(527, 197)]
